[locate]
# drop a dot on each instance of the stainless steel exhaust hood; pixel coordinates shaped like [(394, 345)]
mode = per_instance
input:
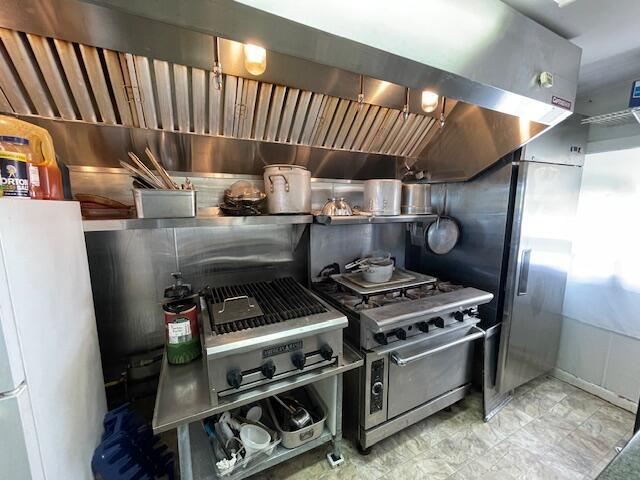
[(113, 62)]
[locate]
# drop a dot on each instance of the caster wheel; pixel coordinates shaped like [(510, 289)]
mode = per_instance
[(364, 451)]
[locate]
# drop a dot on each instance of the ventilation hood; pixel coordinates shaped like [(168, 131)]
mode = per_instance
[(117, 63)]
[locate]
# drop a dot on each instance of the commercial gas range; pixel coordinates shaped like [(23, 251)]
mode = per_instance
[(417, 338), (262, 332)]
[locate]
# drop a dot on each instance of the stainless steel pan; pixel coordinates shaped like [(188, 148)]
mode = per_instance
[(442, 235)]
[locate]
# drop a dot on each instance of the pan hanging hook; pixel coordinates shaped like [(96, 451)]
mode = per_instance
[(361, 94), (217, 66), (405, 109)]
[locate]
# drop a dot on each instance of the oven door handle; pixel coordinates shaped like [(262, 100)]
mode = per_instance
[(402, 361)]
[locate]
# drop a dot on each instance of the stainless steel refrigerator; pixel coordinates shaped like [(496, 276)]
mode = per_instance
[(544, 205), (52, 398), (515, 243)]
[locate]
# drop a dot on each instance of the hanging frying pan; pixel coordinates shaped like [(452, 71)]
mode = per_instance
[(442, 235)]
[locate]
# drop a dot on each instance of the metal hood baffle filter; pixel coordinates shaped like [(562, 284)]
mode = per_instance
[(360, 92)]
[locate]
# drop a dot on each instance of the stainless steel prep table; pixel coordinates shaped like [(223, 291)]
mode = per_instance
[(183, 399)]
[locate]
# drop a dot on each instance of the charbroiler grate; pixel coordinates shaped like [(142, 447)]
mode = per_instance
[(280, 300)]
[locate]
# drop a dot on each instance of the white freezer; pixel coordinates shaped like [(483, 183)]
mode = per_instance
[(51, 384)]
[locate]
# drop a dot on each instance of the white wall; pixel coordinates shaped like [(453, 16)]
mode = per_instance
[(600, 342)]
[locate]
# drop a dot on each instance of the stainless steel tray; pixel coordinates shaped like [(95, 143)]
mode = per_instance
[(416, 280), (152, 203)]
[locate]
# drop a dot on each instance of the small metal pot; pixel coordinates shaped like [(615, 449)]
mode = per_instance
[(382, 197), (336, 208), (416, 198), (378, 272), (288, 188)]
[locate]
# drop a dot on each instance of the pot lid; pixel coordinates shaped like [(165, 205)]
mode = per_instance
[(284, 165)]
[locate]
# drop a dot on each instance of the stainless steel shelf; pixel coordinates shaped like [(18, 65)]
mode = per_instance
[(364, 219), (202, 465), (183, 390), (212, 221)]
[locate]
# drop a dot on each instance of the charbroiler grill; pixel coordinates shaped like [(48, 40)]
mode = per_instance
[(417, 340), (262, 332)]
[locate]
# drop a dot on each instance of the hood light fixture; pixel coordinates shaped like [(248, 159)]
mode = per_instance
[(255, 59), (429, 101)]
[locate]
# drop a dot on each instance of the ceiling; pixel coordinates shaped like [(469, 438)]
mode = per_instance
[(607, 32)]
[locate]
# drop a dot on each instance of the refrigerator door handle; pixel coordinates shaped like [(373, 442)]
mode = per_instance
[(523, 278)]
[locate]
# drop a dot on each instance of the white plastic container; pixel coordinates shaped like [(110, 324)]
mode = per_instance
[(254, 438)]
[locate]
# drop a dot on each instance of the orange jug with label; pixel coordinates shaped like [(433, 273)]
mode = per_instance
[(43, 166)]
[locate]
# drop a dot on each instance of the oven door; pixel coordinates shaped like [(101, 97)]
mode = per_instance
[(422, 371)]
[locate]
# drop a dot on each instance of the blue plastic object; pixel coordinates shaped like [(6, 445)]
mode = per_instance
[(129, 450), (634, 98)]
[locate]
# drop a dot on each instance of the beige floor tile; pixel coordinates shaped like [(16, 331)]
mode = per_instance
[(409, 471), (508, 420), (618, 414), (535, 403), (458, 449), (554, 389), (434, 469), (551, 430), (608, 429)]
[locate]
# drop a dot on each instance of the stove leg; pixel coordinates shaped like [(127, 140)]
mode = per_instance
[(364, 451)]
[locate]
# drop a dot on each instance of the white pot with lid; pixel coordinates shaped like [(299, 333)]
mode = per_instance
[(288, 188)]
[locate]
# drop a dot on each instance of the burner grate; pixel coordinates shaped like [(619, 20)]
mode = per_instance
[(280, 300)]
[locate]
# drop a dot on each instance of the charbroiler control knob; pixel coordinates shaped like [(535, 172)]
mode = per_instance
[(326, 352), (438, 322), (298, 359), (381, 338), (400, 334), (268, 369), (459, 316), (234, 378), (423, 327)]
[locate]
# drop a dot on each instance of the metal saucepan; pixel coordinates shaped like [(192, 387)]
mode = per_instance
[(376, 268), (298, 416)]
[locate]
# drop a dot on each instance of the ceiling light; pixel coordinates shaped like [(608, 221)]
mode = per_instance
[(255, 59), (429, 101)]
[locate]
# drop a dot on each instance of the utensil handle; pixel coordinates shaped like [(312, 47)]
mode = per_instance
[(234, 299), (403, 361), (286, 182), (523, 278), (287, 407)]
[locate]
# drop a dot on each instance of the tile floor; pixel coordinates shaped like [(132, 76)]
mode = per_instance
[(550, 430)]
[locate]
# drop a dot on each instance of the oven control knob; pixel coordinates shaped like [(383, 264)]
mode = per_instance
[(401, 334), (381, 338), (298, 359), (423, 327), (376, 388), (268, 369), (459, 316), (326, 352), (234, 378)]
